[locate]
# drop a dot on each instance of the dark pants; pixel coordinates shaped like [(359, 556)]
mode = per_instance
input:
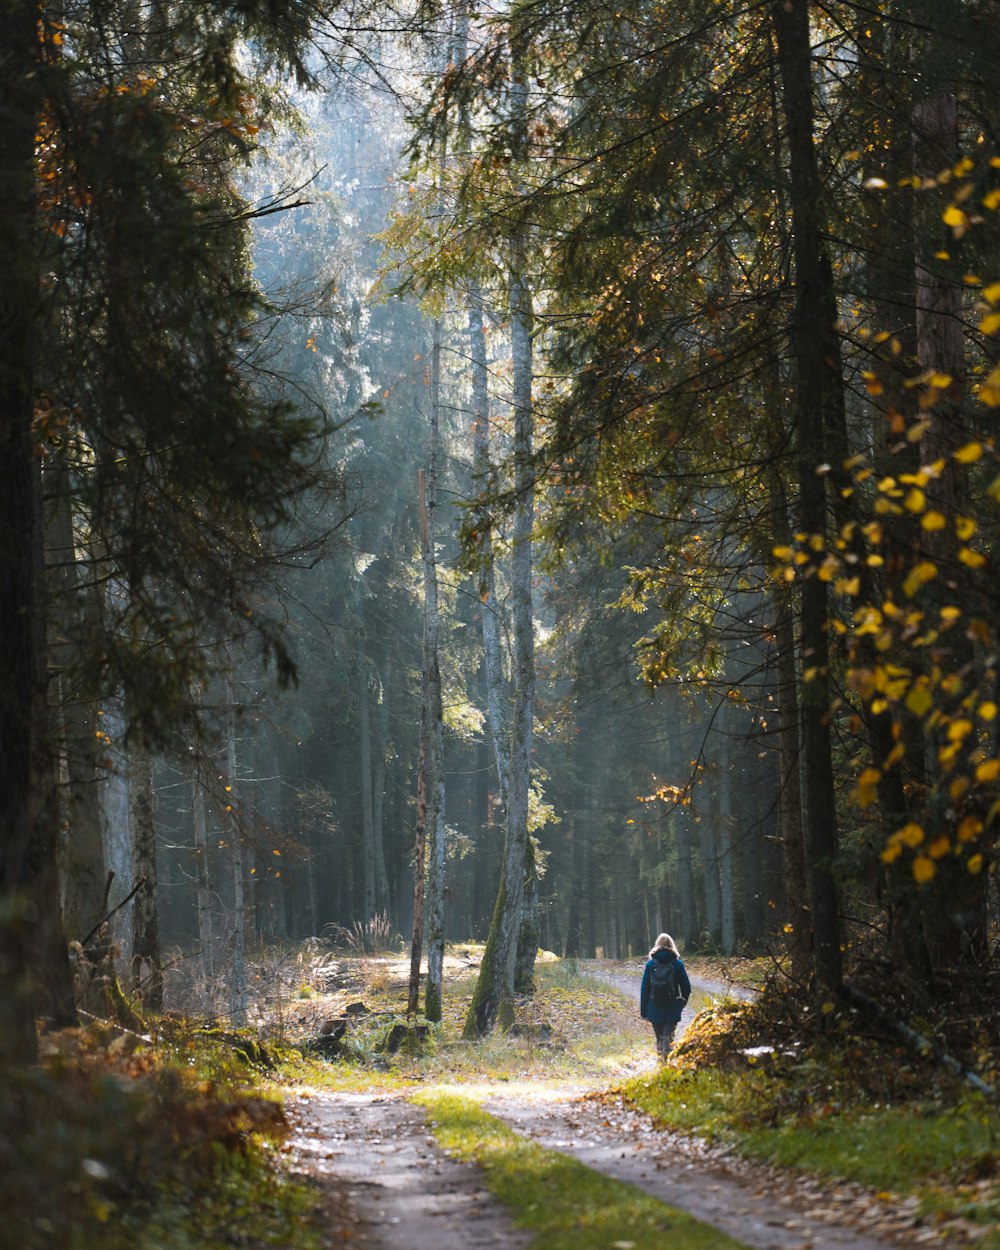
[(664, 1038)]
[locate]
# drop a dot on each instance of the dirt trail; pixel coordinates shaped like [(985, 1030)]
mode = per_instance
[(399, 1190), (402, 1193)]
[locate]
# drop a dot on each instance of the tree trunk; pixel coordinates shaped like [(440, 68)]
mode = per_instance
[(492, 997), (238, 981), (20, 537), (368, 886), (206, 938), (383, 901), (432, 694), (708, 847), (419, 865), (147, 975), (83, 871), (690, 923), (819, 413)]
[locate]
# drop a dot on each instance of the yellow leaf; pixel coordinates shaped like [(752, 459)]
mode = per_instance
[(910, 835), (923, 869), (891, 853), (781, 553), (953, 216), (988, 770), (988, 710), (969, 829), (933, 520), (965, 527), (969, 453), (915, 501), (919, 700), (921, 573), (940, 381), (992, 293), (971, 559), (975, 863), (959, 729), (990, 323), (950, 613), (939, 848), (866, 791)]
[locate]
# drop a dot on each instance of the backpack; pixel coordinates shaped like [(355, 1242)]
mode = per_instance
[(664, 989)]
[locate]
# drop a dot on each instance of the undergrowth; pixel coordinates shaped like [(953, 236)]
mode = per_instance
[(572, 1029), (162, 1147)]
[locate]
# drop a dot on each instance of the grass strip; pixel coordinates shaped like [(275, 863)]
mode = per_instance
[(566, 1205)]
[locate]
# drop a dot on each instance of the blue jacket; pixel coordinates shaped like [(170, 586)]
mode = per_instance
[(647, 1008)]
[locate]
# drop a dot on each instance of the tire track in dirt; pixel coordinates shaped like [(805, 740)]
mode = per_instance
[(387, 1183)]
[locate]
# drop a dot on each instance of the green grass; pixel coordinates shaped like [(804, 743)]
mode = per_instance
[(947, 1155), (566, 1205)]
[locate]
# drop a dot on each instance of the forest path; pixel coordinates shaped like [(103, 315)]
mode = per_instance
[(377, 1160)]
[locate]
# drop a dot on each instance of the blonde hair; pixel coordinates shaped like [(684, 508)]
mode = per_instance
[(664, 942)]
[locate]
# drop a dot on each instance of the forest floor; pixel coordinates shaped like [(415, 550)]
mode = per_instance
[(389, 1185)]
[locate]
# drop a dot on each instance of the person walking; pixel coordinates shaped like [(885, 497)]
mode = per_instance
[(664, 992)]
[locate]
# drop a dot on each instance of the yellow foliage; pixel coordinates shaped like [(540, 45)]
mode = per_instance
[(959, 729), (969, 829), (971, 559), (988, 770), (915, 500), (866, 791), (919, 699), (919, 575), (923, 869), (969, 453)]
